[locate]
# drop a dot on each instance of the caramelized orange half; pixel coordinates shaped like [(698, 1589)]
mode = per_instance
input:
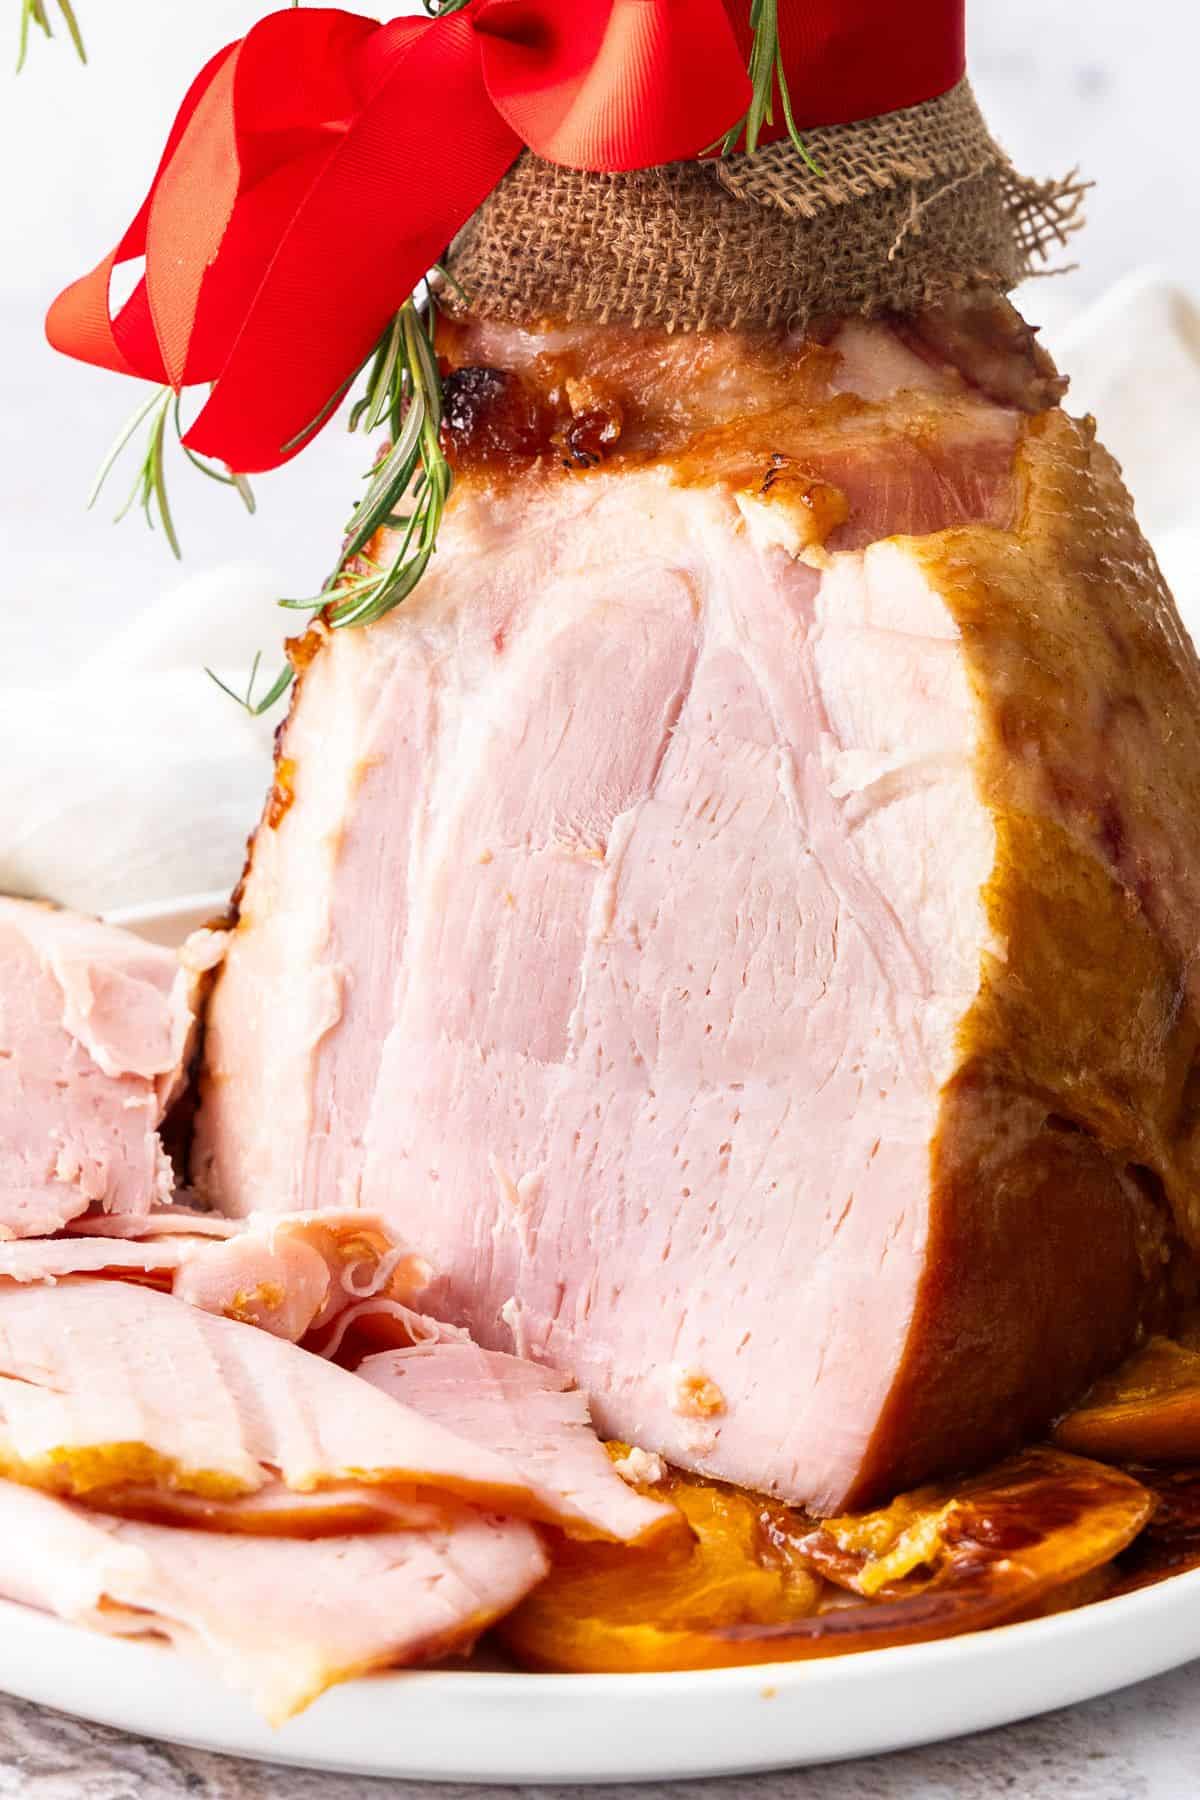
[(612, 1608), (937, 1562), (1147, 1411)]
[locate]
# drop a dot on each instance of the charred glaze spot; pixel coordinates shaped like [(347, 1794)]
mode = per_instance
[(491, 416), (826, 506), (590, 436), (302, 650), (282, 794)]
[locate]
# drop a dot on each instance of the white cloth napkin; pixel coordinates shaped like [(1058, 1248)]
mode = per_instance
[(138, 780)]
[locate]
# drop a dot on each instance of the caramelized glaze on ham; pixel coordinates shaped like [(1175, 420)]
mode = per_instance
[(903, 436)]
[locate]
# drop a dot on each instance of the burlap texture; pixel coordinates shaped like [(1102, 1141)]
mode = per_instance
[(904, 208)]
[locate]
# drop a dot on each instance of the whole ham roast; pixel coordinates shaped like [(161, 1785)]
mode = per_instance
[(738, 918)]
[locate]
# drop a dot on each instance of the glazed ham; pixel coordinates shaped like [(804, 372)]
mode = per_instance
[(737, 918), (279, 1618), (95, 1033)]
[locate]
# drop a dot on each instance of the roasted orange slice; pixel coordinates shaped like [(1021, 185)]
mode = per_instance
[(610, 1608), (937, 1562), (1147, 1411), (1038, 1521)]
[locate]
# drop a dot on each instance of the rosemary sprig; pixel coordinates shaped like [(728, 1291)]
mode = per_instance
[(36, 12), (149, 489), (766, 73), (408, 487), (246, 701)]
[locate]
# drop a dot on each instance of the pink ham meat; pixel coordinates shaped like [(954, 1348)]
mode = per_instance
[(270, 1438), (95, 1029), (529, 1415), (107, 1386), (280, 1619), (738, 916), (292, 1276)]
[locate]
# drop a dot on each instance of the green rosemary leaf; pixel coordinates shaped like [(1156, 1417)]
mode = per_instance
[(73, 31), (246, 701), (156, 490), (766, 72), (127, 431), (407, 489), (455, 287), (225, 477), (150, 484), (149, 489), (36, 12), (326, 412)]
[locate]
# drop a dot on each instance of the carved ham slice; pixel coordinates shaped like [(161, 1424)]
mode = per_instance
[(106, 1387), (532, 1417), (95, 1029), (91, 1378), (291, 1276), (281, 1619), (739, 915)]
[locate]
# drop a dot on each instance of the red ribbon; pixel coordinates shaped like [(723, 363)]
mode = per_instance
[(319, 166)]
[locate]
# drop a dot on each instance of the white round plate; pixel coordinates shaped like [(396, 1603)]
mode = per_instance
[(471, 1724)]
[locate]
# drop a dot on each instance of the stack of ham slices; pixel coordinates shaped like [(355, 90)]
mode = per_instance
[(179, 1454)]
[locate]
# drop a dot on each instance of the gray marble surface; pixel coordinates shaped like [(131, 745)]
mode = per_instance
[(1101, 82), (1143, 1744)]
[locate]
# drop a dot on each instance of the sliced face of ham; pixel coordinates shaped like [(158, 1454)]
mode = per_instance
[(531, 1416), (280, 1619), (95, 1033), (738, 916)]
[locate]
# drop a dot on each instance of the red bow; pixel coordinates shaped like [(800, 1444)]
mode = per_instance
[(319, 166)]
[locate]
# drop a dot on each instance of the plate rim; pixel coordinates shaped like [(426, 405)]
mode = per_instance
[(467, 1725)]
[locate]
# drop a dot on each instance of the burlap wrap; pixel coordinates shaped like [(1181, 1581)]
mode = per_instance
[(905, 207)]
